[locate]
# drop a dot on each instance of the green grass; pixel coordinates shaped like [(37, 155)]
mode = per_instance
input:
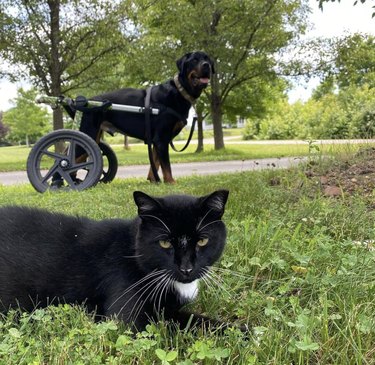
[(292, 270), (227, 132), (14, 158)]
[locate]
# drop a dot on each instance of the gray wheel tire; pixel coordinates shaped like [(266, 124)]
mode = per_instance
[(44, 164), (110, 163)]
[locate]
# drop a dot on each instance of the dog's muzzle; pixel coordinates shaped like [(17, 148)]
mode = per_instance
[(202, 77)]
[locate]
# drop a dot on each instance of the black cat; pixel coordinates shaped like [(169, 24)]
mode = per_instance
[(135, 269)]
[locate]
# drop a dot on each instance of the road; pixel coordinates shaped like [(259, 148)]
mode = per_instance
[(181, 169)]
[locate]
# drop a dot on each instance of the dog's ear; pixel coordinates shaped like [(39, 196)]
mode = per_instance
[(181, 62)]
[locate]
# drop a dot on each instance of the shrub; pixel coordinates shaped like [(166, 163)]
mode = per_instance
[(348, 114)]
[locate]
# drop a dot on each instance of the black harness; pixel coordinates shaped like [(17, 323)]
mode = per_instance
[(80, 103), (148, 131)]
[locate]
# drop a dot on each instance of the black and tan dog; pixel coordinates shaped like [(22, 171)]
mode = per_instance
[(178, 94)]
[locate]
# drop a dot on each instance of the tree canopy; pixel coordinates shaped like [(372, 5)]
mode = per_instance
[(355, 60), (243, 37), (343, 104), (54, 43), (355, 2), (26, 121), (66, 46)]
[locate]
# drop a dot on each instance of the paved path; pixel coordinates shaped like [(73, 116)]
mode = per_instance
[(239, 140), (181, 169)]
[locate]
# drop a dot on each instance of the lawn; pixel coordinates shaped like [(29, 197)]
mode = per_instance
[(297, 269), (14, 158)]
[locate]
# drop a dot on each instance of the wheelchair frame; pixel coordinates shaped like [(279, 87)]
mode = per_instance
[(52, 162)]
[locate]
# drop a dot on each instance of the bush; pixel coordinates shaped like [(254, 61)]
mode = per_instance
[(3, 130), (348, 114)]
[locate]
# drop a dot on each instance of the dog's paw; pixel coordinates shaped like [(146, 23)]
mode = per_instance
[(170, 181)]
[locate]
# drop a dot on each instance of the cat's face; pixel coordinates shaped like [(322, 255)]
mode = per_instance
[(180, 234)]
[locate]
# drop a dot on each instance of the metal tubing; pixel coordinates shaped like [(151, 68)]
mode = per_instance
[(55, 101)]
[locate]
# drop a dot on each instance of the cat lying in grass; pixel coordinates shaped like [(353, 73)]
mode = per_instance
[(136, 270)]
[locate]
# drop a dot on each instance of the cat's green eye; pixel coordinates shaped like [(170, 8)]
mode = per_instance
[(202, 242), (165, 244)]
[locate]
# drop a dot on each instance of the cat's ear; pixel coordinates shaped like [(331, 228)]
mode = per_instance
[(216, 202), (145, 203)]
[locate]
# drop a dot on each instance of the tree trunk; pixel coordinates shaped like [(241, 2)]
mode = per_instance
[(200, 146), (126, 142), (217, 114), (58, 121), (55, 69), (218, 129)]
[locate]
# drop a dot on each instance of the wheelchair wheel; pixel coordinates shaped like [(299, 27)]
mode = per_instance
[(64, 159), (110, 163)]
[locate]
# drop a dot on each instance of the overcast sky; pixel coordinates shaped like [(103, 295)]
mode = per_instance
[(336, 19)]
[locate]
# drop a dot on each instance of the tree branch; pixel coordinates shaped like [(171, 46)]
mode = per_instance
[(244, 55)]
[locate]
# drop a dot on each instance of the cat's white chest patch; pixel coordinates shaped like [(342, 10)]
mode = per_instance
[(187, 291)]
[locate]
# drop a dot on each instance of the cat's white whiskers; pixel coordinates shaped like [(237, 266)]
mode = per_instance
[(137, 308), (201, 229), (207, 282), (163, 280), (201, 221), (131, 257), (215, 279), (153, 216), (204, 272), (204, 276), (231, 272), (162, 235), (165, 287), (133, 318), (142, 290), (170, 285), (148, 276), (153, 292)]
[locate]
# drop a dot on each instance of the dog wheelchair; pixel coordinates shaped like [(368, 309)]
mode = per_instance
[(68, 159), (54, 162)]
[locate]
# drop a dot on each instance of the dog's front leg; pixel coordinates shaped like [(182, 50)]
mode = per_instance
[(155, 157), (163, 154)]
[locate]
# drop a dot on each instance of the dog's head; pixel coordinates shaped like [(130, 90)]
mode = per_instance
[(195, 70)]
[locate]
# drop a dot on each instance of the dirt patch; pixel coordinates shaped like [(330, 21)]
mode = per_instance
[(350, 176)]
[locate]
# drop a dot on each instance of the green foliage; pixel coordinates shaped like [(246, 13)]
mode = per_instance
[(26, 121), (348, 114), (3, 129), (355, 61), (255, 99), (242, 37), (284, 122), (342, 106), (61, 46), (55, 44), (321, 4)]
